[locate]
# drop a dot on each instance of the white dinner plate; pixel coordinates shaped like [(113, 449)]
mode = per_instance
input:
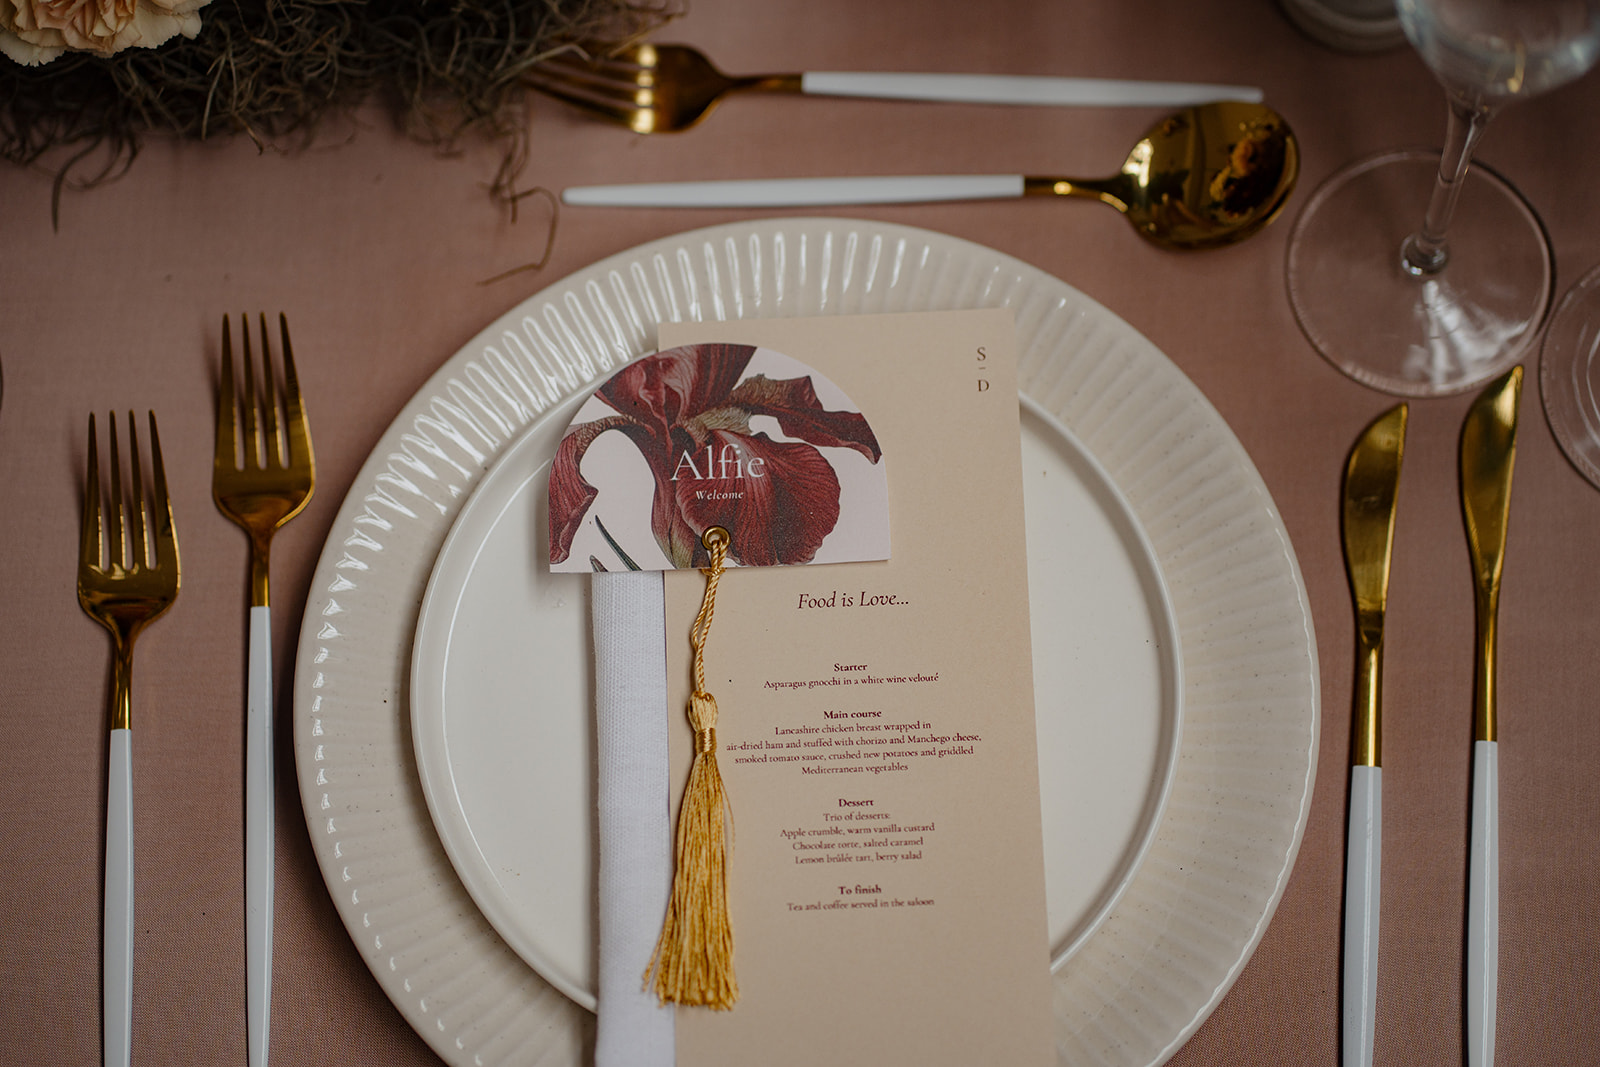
[(507, 765), (1187, 920)]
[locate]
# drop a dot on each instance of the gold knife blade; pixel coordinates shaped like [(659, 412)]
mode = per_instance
[(1488, 454), (1371, 477)]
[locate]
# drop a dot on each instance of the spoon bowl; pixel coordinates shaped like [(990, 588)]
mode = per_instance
[(1204, 177)]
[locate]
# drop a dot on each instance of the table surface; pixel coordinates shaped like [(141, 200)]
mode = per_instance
[(376, 248)]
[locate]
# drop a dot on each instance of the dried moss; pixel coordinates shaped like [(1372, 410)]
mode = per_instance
[(274, 69)]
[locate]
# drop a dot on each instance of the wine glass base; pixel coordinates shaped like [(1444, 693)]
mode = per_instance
[(1415, 335), (1569, 376)]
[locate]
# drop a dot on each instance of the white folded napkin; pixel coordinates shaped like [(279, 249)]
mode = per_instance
[(635, 826)]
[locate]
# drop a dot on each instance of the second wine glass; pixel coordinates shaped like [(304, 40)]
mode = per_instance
[(1403, 272)]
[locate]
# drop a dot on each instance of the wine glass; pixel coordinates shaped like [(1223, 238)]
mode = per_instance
[(1388, 279), (1569, 375)]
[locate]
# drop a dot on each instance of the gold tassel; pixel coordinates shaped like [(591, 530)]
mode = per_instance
[(693, 960)]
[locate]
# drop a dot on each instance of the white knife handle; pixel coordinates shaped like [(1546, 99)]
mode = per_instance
[(1013, 89), (258, 838), (1483, 905), (1362, 882), (117, 946), (799, 192)]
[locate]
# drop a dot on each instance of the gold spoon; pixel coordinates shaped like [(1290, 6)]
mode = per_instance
[(1203, 177)]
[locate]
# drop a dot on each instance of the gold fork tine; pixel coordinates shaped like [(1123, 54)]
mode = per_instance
[(269, 399), (600, 59), (617, 111), (91, 544), (119, 556), (227, 444), (252, 424), (298, 432), (137, 557), (166, 537), (605, 78)]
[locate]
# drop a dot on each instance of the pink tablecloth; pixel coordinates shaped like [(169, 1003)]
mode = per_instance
[(375, 248)]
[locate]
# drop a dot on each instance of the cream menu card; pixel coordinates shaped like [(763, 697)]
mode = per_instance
[(877, 732)]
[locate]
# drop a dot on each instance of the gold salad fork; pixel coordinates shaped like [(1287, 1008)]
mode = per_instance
[(123, 590), (260, 479), (665, 88)]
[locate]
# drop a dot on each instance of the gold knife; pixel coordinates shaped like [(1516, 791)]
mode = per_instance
[(1488, 454), (1371, 477)]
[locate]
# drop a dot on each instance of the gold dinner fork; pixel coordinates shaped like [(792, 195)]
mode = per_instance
[(123, 590), (260, 479), (664, 88)]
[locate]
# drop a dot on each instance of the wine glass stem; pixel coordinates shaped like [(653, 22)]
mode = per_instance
[(1425, 252)]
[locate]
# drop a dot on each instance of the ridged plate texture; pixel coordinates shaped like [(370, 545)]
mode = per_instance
[(1195, 909)]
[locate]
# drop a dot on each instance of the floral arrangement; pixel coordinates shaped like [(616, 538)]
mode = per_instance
[(36, 31), (90, 74)]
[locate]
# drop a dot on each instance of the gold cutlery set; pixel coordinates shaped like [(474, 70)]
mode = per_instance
[(263, 475), (1372, 474), (1204, 177)]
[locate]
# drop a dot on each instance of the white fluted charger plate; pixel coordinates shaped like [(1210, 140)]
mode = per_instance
[(507, 763), (1188, 919)]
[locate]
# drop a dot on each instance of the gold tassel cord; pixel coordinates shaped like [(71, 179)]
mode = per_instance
[(693, 960)]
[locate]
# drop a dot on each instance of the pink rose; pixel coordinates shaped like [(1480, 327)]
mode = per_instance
[(36, 31)]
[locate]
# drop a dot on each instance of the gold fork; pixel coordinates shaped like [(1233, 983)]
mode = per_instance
[(664, 88), (260, 486), (124, 591)]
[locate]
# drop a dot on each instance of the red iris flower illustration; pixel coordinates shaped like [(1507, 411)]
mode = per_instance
[(689, 415)]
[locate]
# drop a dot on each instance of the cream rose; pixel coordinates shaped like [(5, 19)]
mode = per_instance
[(36, 31)]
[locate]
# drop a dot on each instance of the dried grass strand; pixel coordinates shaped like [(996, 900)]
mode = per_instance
[(550, 234)]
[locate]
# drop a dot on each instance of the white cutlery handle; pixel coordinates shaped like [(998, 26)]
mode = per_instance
[(1483, 905), (1362, 883), (1014, 89), (117, 946), (258, 838), (632, 1028), (799, 192)]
